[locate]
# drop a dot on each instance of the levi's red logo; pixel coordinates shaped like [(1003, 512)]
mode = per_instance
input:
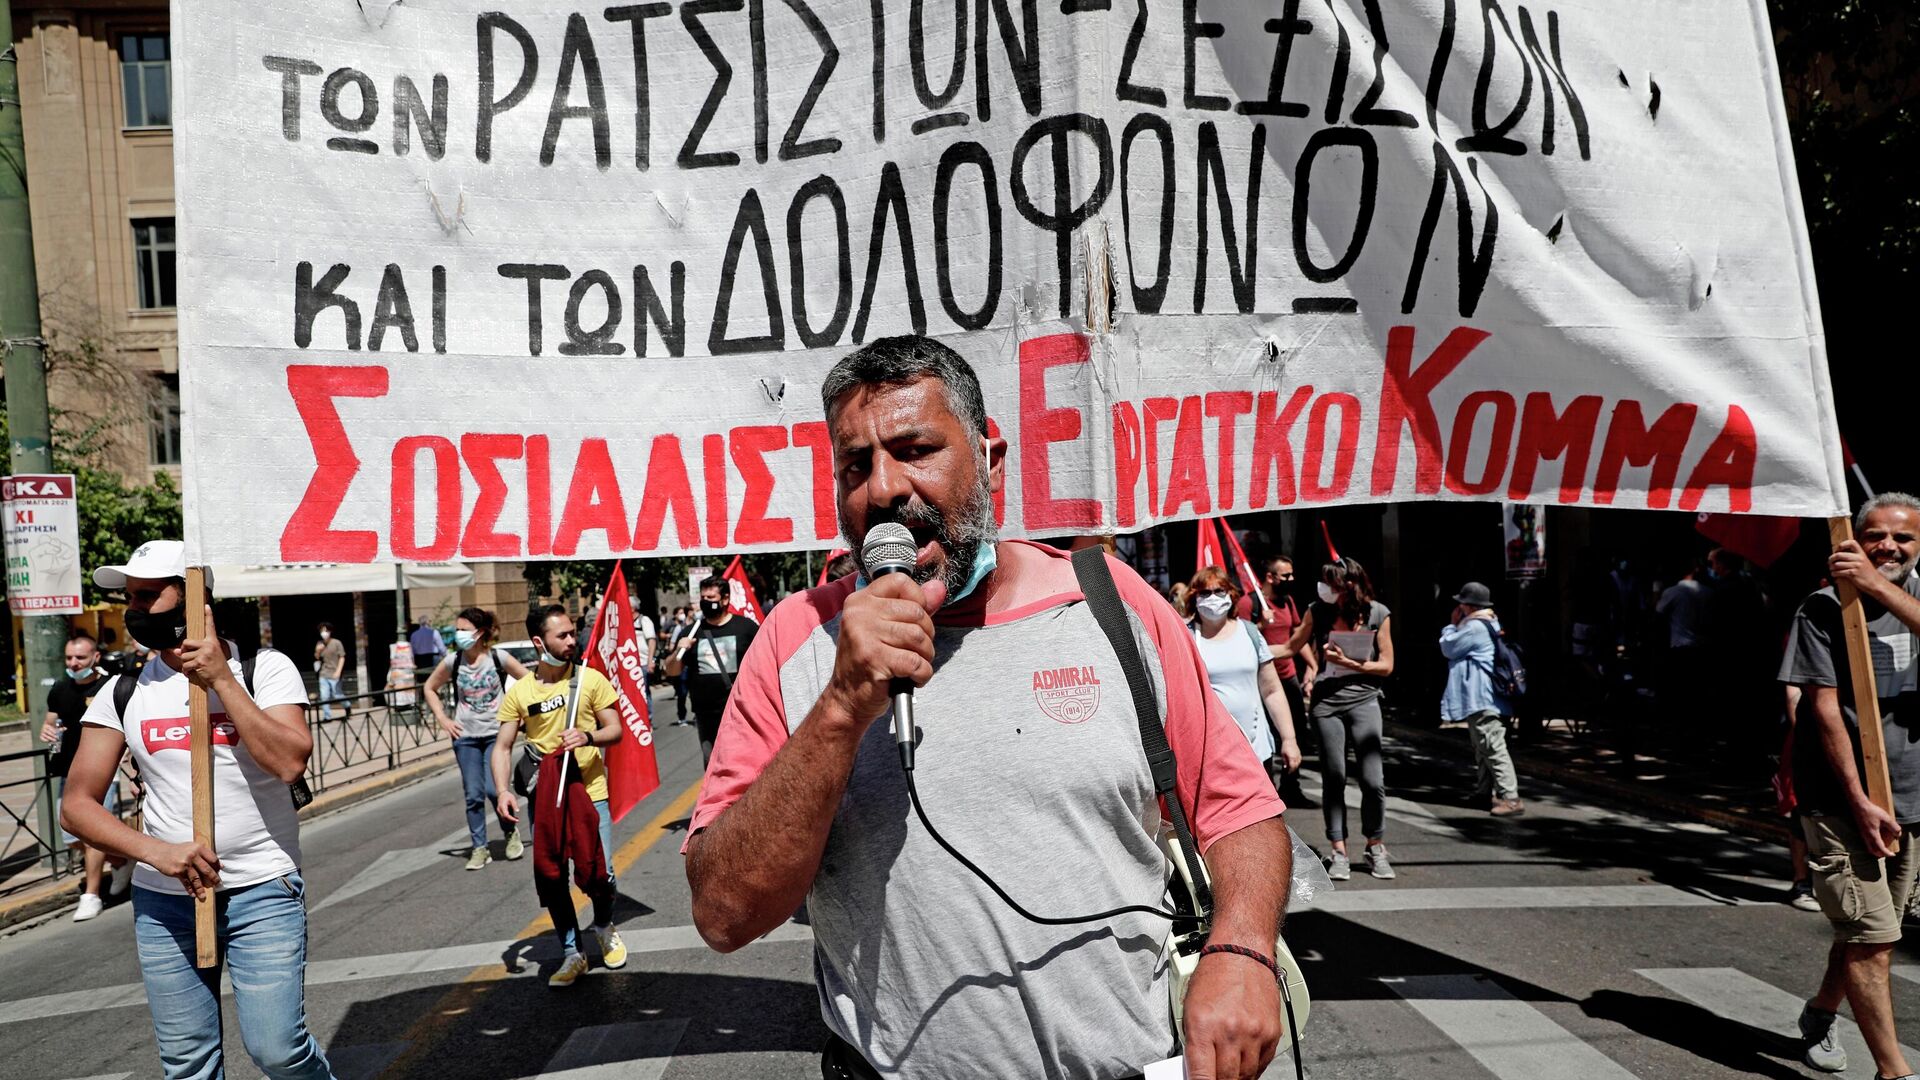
[(1069, 694), (176, 733)]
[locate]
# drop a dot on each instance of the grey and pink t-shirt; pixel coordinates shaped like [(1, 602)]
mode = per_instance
[(1030, 763)]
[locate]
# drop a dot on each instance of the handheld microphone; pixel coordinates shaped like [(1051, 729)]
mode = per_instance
[(889, 549)]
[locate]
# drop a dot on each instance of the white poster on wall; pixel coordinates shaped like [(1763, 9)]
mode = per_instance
[(516, 281)]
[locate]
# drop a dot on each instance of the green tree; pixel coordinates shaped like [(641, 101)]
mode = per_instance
[(1850, 72)]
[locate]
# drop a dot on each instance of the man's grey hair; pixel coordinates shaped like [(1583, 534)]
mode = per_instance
[(907, 358), (1881, 502)]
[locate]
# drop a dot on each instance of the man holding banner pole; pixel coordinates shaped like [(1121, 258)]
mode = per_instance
[(1864, 858), (260, 744), (544, 705)]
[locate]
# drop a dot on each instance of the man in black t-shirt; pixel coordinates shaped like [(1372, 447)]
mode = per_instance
[(714, 647), (1864, 862), (67, 701)]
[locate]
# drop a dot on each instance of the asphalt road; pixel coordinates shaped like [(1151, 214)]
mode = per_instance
[(1576, 943)]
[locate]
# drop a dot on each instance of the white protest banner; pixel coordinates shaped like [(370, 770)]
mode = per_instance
[(514, 280), (42, 544)]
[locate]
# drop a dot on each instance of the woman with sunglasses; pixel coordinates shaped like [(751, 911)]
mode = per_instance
[(1343, 693), (1240, 667)]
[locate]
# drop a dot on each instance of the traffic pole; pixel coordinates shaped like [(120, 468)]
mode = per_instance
[(44, 636)]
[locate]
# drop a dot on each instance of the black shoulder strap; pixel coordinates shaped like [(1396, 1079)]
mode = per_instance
[(123, 687), (1103, 599)]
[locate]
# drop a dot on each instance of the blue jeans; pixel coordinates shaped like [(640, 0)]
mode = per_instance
[(566, 921), (474, 754), (262, 932), (329, 691)]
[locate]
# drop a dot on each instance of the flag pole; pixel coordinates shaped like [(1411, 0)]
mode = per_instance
[(1866, 689), (206, 952)]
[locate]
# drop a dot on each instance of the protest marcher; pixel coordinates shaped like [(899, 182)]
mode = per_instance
[(1472, 698), (683, 625), (1684, 671), (714, 646), (842, 565), (67, 702), (330, 661), (426, 644), (1241, 670), (1277, 620), (479, 674), (260, 745), (1021, 703), (543, 705), (1800, 888), (1343, 695), (1863, 860), (646, 637)]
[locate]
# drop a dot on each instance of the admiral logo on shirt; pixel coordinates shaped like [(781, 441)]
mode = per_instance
[(176, 733), (1069, 694)]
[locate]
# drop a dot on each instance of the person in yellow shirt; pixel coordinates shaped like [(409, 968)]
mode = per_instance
[(539, 705)]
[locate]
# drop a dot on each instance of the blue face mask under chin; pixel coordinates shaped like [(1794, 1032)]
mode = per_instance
[(985, 559)]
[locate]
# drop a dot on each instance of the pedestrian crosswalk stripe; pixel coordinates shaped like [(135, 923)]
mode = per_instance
[(1510, 1038), (1909, 972), (391, 866), (1405, 811), (636, 1051), (1735, 995), (1346, 901), (390, 965)]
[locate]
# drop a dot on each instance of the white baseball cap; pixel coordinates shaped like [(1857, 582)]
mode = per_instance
[(155, 560)]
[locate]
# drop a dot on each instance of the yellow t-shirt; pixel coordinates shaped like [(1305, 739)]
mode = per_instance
[(540, 708)]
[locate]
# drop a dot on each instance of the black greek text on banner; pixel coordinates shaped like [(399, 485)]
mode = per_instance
[(511, 281)]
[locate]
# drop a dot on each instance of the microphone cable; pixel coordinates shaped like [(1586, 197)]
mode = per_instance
[(913, 796)]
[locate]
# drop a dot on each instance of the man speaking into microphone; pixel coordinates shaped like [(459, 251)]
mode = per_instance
[(1028, 759)]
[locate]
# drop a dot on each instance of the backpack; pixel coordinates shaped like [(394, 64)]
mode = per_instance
[(124, 686), (453, 677), (1509, 668)]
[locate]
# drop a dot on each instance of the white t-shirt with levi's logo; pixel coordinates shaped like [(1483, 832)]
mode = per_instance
[(256, 832)]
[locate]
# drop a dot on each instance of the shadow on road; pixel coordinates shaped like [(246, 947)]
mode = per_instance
[(513, 1027), (1740, 1047)]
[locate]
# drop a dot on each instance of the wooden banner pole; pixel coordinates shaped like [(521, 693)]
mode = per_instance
[(1866, 689), (206, 953)]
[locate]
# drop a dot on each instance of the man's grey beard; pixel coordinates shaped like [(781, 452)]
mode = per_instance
[(959, 539), (1897, 572)]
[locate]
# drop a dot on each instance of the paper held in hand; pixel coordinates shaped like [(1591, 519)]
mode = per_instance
[(1354, 644)]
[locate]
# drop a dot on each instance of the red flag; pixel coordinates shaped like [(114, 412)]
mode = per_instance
[(1249, 581), (826, 569), (1751, 536), (614, 651), (1327, 535), (740, 597), (1208, 551)]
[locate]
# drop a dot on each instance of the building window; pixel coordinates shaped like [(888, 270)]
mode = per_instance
[(153, 261), (146, 80), (166, 421)]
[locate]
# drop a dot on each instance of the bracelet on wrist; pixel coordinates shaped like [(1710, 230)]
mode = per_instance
[(1251, 954)]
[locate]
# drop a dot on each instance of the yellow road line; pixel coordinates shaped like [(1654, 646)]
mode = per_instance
[(463, 996)]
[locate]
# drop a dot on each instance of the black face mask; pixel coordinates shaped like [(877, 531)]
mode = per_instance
[(713, 609), (158, 630)]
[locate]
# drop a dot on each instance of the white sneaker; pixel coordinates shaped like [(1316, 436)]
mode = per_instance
[(90, 907), (571, 968), (122, 877)]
